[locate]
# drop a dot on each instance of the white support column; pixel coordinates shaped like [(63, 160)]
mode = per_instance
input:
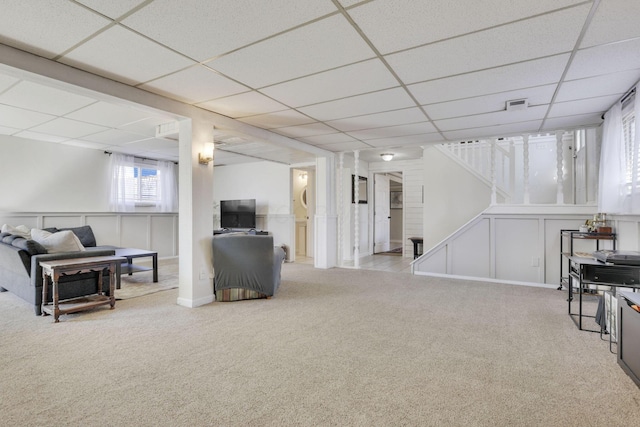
[(525, 167), (340, 208), (325, 220), (559, 174), (356, 210), (494, 187), (195, 277)]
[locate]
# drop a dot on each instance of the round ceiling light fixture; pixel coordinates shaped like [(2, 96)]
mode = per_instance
[(387, 156)]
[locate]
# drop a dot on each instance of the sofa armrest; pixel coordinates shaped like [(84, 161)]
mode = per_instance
[(36, 270)]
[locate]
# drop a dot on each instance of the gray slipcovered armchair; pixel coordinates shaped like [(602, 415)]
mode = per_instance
[(245, 266)]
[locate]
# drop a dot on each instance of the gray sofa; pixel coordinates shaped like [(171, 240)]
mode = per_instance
[(21, 274), (245, 266)]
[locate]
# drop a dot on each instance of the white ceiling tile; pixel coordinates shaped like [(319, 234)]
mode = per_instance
[(243, 105), (367, 76), (8, 131), (389, 118), (278, 119), (44, 99), (590, 87), (40, 136), (142, 60), (85, 144), (348, 3), (7, 81), (605, 59), (394, 131), (534, 38), (195, 84), (112, 8), (305, 130), (489, 103), (114, 137), (400, 24), (385, 100), (68, 128), (106, 114), (46, 28), (23, 119), (333, 138), (306, 50), (203, 29), (584, 106), (614, 20), (492, 119), (344, 146), (147, 126), (494, 131), (400, 141), (571, 122), (510, 77)]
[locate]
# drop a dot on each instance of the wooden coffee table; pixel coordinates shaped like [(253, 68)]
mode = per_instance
[(53, 270), (129, 267)]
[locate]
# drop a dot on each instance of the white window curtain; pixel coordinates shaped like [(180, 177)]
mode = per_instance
[(634, 197), (168, 186), (612, 165), (119, 164)]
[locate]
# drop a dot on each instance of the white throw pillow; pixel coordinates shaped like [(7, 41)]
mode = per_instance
[(62, 241), (21, 230)]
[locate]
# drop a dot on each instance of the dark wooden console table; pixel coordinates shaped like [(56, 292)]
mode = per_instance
[(53, 270)]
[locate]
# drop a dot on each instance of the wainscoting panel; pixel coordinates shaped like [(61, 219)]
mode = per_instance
[(467, 259), (517, 249)]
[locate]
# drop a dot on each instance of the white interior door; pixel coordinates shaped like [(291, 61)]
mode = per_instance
[(382, 213), (311, 211)]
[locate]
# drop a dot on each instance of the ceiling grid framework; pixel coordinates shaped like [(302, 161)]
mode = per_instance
[(340, 75)]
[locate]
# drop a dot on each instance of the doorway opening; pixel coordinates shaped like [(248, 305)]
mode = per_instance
[(303, 197), (388, 224)]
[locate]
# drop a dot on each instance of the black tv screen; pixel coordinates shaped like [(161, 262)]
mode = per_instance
[(238, 213)]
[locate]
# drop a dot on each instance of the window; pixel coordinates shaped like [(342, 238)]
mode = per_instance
[(142, 185)]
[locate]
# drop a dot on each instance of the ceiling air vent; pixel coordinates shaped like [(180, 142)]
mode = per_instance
[(517, 104)]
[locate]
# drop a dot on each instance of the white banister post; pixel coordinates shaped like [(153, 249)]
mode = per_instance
[(559, 175), (494, 188), (356, 209), (525, 167)]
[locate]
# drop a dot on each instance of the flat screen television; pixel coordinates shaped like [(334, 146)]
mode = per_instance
[(238, 213)]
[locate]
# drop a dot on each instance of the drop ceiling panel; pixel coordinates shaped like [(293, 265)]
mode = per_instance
[(345, 146), (203, 29), (6, 82), (4, 130), (332, 138), (305, 130), (19, 118), (585, 106), (402, 141), (243, 105), (492, 131), (47, 28), (114, 137), (571, 122), (142, 60), (534, 38), (617, 83), (306, 50), (489, 103), (510, 77), (615, 20), (278, 119), (195, 84), (390, 99), (390, 118), (44, 99), (68, 128), (85, 144), (605, 59), (147, 126), (393, 131), (492, 119), (339, 83), (112, 8), (106, 114)]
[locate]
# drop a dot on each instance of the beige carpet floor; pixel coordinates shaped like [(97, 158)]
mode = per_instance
[(332, 348), (139, 284)]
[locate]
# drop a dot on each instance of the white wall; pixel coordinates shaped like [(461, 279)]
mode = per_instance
[(452, 196), (39, 176), (269, 184)]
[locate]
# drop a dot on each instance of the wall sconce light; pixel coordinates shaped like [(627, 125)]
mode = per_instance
[(206, 157), (303, 176), (387, 156)]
